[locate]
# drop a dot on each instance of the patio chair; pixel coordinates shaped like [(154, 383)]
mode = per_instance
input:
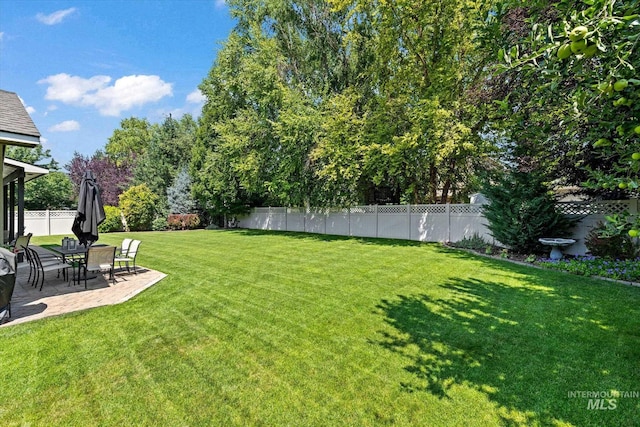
[(46, 257), (124, 248), (19, 244), (41, 267), (99, 258), (130, 257)]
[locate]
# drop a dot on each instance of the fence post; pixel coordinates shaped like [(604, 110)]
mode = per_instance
[(409, 219), (349, 220), (448, 210), (377, 219), (47, 217), (326, 215)]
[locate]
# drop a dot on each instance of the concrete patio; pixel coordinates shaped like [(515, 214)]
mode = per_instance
[(59, 296)]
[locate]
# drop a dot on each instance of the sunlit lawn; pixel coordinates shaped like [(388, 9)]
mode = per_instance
[(258, 328)]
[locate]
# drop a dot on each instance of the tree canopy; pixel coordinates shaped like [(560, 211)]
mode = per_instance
[(343, 102)]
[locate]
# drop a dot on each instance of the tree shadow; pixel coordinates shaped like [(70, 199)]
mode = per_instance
[(381, 241), (526, 347)]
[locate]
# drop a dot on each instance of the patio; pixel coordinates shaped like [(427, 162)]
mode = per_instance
[(59, 296)]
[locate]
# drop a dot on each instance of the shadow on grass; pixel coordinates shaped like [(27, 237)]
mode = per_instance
[(526, 347), (331, 237)]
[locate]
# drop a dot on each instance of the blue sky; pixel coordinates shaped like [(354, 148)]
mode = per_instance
[(80, 67)]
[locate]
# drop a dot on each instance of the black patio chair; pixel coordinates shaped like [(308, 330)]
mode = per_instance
[(41, 267)]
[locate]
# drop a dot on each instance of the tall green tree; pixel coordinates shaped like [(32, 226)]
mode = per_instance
[(428, 63), (129, 142), (333, 103), (168, 152), (51, 191), (35, 156)]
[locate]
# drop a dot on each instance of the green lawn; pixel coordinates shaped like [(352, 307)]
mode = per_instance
[(273, 329)]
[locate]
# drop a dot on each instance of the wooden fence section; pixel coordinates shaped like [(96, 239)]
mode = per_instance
[(425, 223)]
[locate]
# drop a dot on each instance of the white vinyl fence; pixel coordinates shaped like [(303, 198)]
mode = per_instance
[(425, 223), (47, 223)]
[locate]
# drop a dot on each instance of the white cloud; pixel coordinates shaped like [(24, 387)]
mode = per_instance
[(55, 17), (220, 4), (71, 89), (66, 126), (125, 93), (196, 97)]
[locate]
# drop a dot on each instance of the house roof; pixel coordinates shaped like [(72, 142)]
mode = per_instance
[(16, 126), (30, 171)]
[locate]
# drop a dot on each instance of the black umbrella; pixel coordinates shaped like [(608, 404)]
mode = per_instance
[(90, 211)]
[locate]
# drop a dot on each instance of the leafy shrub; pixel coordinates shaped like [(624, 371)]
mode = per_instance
[(159, 224), (475, 242), (113, 220), (522, 210), (603, 241), (183, 221), (138, 205)]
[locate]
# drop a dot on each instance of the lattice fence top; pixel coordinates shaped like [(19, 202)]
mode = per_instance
[(421, 209), (393, 209), (607, 207), (466, 209), (34, 214), (568, 208), (52, 214), (62, 214), (363, 209)]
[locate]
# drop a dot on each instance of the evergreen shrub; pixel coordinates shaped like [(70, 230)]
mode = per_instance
[(522, 210), (159, 224)]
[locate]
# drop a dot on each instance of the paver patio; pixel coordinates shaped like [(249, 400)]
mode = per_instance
[(59, 296)]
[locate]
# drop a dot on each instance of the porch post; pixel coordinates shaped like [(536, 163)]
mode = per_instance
[(12, 210), (5, 206), (21, 204)]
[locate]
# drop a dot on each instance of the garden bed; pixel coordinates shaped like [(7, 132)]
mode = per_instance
[(625, 271)]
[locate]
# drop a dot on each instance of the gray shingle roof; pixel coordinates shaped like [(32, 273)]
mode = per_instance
[(14, 117)]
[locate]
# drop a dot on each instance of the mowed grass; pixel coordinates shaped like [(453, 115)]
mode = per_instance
[(273, 329)]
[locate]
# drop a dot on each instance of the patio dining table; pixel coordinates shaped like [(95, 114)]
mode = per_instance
[(76, 253)]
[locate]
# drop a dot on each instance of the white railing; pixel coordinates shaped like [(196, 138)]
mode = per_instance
[(426, 223)]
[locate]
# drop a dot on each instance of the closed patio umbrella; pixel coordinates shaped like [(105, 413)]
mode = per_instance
[(90, 212)]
